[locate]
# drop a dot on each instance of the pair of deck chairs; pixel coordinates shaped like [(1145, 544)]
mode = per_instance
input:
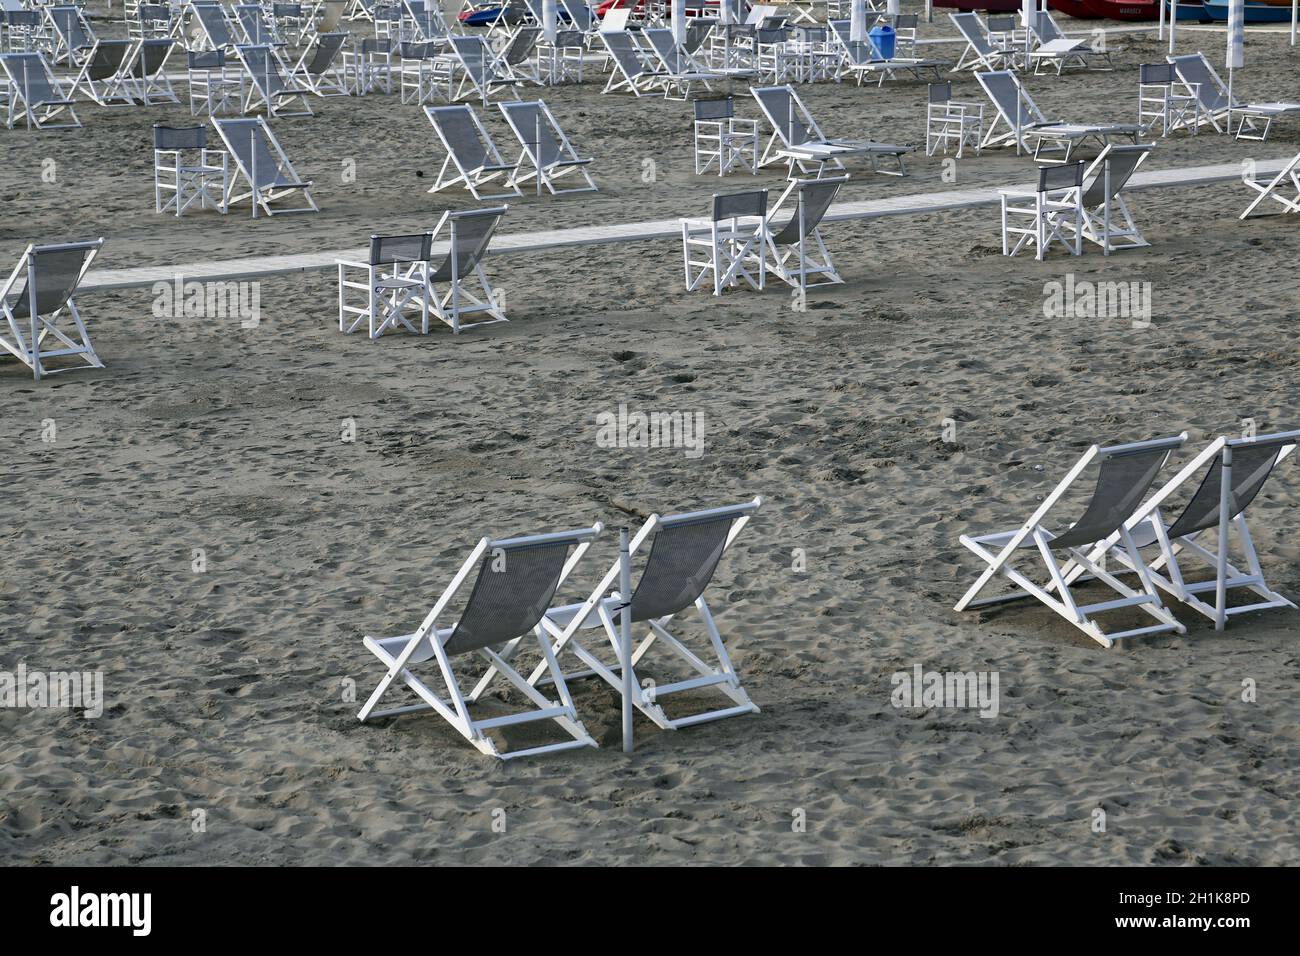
[(546, 158), (124, 72), (401, 281), (798, 143), (1019, 120), (743, 241), (1070, 204), (1215, 103), (981, 53), (33, 95), (39, 319), (511, 606), (1116, 527)]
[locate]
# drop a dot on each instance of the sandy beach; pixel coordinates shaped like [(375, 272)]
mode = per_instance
[(926, 397)]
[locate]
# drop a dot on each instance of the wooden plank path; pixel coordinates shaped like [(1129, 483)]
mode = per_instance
[(229, 270)]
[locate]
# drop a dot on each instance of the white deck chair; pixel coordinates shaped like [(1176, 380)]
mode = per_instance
[(1124, 475), (680, 73), (396, 284), (1057, 50), (215, 84), (1272, 190), (797, 142), (723, 140), (795, 251), (1212, 97), (860, 59), (1107, 220), (516, 581), (270, 86), (951, 121), (630, 71), (731, 242), (1019, 119), (37, 300), (264, 167), (468, 291), (1233, 471), (1051, 212), (149, 71), (320, 68), (35, 94), (1160, 104), (684, 552), (72, 34), (472, 62), (471, 154), (185, 168), (211, 28), (980, 53), (546, 154), (107, 76), (255, 26), (519, 59)]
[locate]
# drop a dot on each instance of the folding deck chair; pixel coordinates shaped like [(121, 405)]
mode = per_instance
[(269, 85), (516, 581), (797, 142), (72, 34), (951, 121), (1022, 119), (468, 291), (264, 167), (470, 153), (722, 139), (548, 152), (519, 60), (396, 283), (33, 299), (1291, 173), (185, 167), (472, 59), (149, 71), (320, 68), (732, 240), (1161, 104), (980, 53), (214, 85), (106, 75), (861, 59), (1056, 49), (630, 72), (1215, 103), (257, 29), (1124, 475), (1051, 212), (684, 552), (35, 94), (211, 28), (1233, 471), (795, 252), (1106, 217), (679, 72)]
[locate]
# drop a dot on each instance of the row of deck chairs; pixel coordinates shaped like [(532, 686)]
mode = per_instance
[(512, 610), (1118, 534), (1049, 47), (1186, 93), (546, 157)]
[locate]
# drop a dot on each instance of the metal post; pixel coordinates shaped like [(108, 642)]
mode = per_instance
[(1225, 500), (625, 632)]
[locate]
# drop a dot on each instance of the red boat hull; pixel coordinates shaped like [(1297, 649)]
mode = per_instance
[(1073, 8), (1122, 10)]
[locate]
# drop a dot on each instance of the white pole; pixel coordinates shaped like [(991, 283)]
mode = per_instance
[(1173, 20), (858, 21), (550, 16), (891, 7), (1294, 7), (1161, 34), (625, 633), (679, 22), (1028, 8), (1236, 57), (726, 9)]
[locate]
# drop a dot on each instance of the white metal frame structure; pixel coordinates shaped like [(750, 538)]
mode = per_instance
[(263, 164), (1054, 210), (396, 282), (31, 305), (722, 139), (35, 93), (185, 167), (1289, 173), (468, 291), (546, 154), (795, 251), (732, 242), (798, 142)]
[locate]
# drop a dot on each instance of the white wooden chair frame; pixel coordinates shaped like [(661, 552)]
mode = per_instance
[(27, 343), (806, 259), (529, 166), (471, 178), (602, 609), (1166, 571), (735, 249), (204, 182), (467, 294), (331, 81), (645, 80), (398, 654), (726, 143), (259, 93), (115, 91), (998, 549), (38, 115), (953, 121), (391, 289), (263, 197), (61, 50)]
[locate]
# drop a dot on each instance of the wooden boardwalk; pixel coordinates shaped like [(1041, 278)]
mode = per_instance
[(230, 270)]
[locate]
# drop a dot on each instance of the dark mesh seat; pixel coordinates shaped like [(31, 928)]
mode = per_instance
[(779, 105), (747, 204), (815, 197), (328, 46), (471, 232), (1122, 483), (681, 564), (1251, 466), (57, 272), (1121, 162), (179, 137), (513, 590)]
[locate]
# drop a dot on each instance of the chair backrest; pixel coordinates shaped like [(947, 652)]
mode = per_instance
[(387, 250), (972, 31), (622, 48), (1054, 178), (71, 25), (1195, 70), (179, 137), (536, 130), (1046, 27), (1001, 24), (376, 45), (580, 14), (786, 114), (205, 59), (1008, 96), (108, 57), (615, 21), (212, 18), (31, 75), (515, 586), (1156, 73), (250, 142), (153, 56), (713, 110), (683, 558), (697, 31), (263, 66), (153, 13), (471, 231), (1116, 164), (522, 45), (905, 21), (1125, 476), (462, 134), (939, 92), (56, 271), (475, 56), (751, 202), (1252, 462), (252, 20), (665, 46), (328, 46), (813, 198)]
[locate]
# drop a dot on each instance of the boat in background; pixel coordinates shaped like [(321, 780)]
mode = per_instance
[(975, 6), (1072, 8), (1124, 9), (1255, 12)]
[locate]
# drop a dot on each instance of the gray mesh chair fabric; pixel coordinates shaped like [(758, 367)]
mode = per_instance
[(1122, 483), (33, 78), (71, 27), (1001, 86), (205, 59), (327, 50), (263, 67), (513, 590), (1194, 70), (180, 137), (714, 110), (522, 46), (579, 13), (458, 126), (387, 250), (471, 232), (682, 560), (1154, 73), (248, 142), (939, 92), (1121, 161), (474, 55), (57, 273), (153, 55), (532, 123), (108, 58), (815, 197), (781, 110), (752, 202), (213, 19), (1051, 178), (1251, 466)]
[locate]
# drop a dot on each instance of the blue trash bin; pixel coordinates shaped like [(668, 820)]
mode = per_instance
[(883, 39)]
